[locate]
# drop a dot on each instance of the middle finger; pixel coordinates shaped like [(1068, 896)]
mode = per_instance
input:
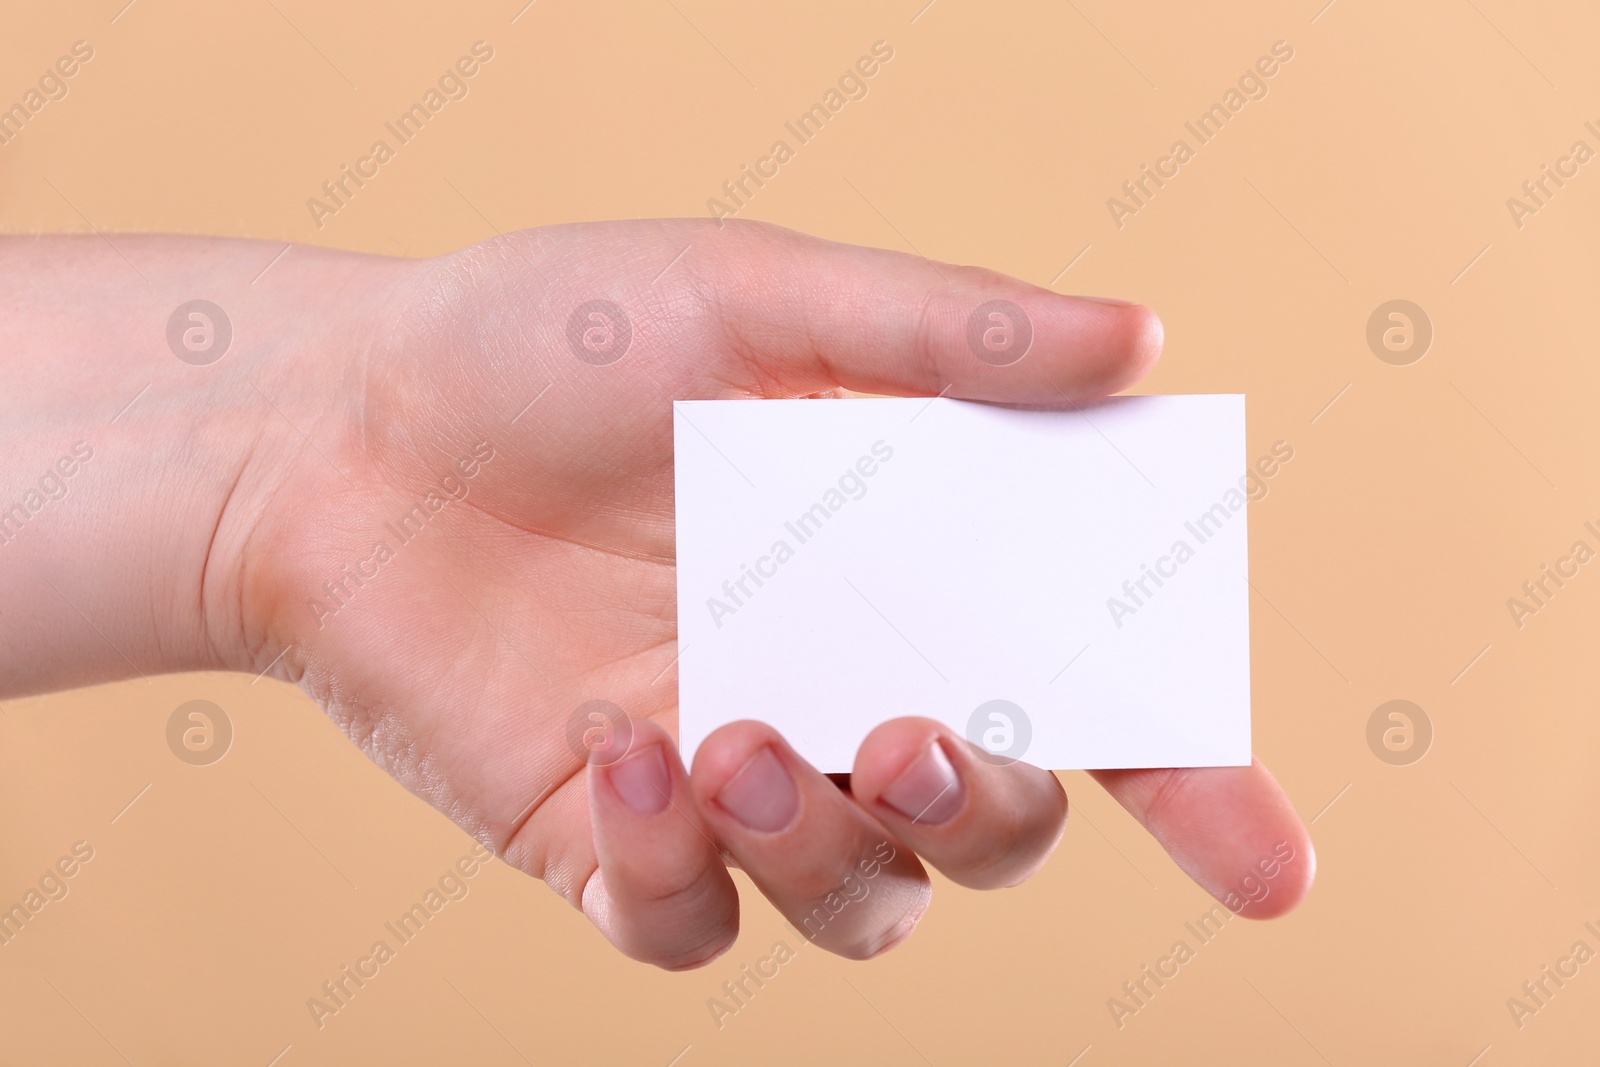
[(831, 869)]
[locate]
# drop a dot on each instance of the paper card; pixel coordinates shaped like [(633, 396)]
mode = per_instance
[(1064, 587)]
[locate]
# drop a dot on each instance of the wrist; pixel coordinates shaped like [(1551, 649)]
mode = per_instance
[(291, 437), (179, 447)]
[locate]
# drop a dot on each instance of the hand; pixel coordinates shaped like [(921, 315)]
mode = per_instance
[(469, 534)]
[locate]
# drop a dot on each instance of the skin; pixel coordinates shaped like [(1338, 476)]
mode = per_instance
[(217, 505)]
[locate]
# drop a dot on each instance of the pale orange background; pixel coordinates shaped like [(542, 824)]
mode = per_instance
[(1377, 168)]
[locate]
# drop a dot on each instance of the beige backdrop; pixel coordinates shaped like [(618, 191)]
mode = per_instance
[(1378, 166)]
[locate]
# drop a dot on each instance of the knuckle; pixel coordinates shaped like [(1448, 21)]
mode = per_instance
[(698, 955), (678, 924), (1165, 796), (1011, 848), (687, 890), (933, 317), (868, 926), (996, 854), (876, 936)]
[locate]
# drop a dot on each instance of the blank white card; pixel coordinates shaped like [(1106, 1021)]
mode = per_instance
[(1064, 587)]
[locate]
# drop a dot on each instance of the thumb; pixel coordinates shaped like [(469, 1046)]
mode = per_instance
[(800, 315)]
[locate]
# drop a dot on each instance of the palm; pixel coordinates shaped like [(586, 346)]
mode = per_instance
[(544, 578), (551, 584)]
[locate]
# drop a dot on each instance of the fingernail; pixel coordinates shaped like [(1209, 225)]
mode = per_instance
[(1109, 301), (642, 781), (761, 795), (902, 931), (929, 791)]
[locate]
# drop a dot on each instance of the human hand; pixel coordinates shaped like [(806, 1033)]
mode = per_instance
[(469, 536)]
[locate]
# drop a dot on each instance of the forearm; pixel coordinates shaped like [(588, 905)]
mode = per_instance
[(132, 471)]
